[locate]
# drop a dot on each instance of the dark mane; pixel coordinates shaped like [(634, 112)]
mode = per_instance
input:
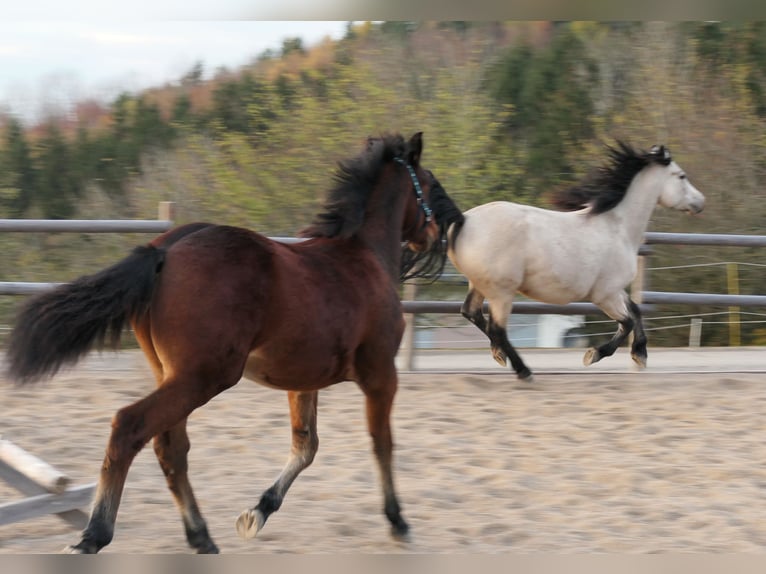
[(343, 209), (603, 189), (428, 265)]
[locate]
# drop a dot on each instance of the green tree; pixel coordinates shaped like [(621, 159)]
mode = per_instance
[(18, 172), (148, 129), (291, 45), (550, 92), (182, 110), (58, 186)]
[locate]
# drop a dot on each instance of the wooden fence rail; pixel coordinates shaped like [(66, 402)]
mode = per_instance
[(47, 489)]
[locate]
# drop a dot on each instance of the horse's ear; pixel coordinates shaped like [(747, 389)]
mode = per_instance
[(371, 142), (661, 153), (416, 148)]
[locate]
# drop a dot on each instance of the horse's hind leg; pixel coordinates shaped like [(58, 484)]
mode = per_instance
[(171, 448), (628, 316), (638, 347), (498, 336), (472, 310), (132, 428), (305, 442)]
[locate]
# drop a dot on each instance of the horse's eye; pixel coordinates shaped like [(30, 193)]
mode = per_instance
[(682, 176)]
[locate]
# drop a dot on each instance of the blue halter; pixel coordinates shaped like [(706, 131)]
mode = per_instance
[(418, 191)]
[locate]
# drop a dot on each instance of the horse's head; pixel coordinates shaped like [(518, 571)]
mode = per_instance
[(428, 215), (386, 185), (419, 228), (677, 191)]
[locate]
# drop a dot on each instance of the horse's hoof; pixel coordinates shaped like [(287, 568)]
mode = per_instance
[(500, 357), (400, 531), (527, 378), (639, 361), (591, 356), (250, 523), (85, 546)]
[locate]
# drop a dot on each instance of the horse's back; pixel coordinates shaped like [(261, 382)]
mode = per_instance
[(506, 247), (489, 231)]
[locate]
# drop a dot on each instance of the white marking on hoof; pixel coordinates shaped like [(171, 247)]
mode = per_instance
[(639, 361), (250, 523), (500, 357), (530, 378), (590, 357), (71, 550)]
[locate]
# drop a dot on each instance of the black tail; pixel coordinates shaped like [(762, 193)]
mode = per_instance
[(60, 326), (447, 213)]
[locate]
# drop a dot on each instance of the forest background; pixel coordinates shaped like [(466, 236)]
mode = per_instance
[(509, 110)]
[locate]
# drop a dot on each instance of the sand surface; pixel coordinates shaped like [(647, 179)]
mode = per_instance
[(583, 462)]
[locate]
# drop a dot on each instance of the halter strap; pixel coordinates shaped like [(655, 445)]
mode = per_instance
[(418, 191)]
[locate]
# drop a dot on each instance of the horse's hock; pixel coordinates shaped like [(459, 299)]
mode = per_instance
[(48, 490)]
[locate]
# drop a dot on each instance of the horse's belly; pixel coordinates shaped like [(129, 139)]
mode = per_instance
[(558, 288), (555, 293), (297, 373)]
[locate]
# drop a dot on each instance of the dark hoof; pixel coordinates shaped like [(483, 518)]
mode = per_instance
[(526, 376), (400, 530), (82, 548), (208, 549)]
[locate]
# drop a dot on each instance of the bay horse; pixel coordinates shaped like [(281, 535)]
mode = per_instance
[(210, 304), (587, 251)]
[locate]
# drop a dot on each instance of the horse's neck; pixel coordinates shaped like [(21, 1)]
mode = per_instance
[(382, 230), (632, 214)]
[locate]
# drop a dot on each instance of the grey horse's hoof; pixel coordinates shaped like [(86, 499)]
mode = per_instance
[(640, 361), (250, 523), (591, 356)]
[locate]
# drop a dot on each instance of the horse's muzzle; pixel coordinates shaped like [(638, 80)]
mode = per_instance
[(695, 207)]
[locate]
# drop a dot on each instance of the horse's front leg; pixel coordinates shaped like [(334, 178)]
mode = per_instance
[(379, 385), (305, 442)]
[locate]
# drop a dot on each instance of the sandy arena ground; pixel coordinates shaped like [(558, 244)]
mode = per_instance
[(587, 461)]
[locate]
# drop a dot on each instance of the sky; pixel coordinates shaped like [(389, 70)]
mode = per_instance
[(48, 65)]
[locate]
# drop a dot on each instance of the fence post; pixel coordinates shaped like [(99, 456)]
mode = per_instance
[(166, 211), (407, 347), (732, 280), (695, 332)]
